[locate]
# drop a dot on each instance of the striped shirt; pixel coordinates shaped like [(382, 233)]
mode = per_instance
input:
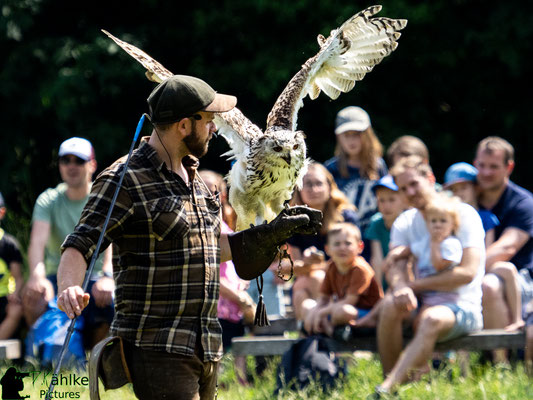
[(166, 253)]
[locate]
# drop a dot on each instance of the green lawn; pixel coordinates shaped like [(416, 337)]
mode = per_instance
[(484, 382)]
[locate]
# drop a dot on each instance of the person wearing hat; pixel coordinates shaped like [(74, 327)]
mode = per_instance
[(55, 214), (165, 227), (357, 163), (11, 281), (390, 205)]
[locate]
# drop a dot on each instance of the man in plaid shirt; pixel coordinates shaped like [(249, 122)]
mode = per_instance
[(165, 227)]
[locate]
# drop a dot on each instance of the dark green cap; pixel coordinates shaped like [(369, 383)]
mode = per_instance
[(181, 96)]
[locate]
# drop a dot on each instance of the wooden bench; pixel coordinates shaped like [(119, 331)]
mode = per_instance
[(10, 349), (488, 339)]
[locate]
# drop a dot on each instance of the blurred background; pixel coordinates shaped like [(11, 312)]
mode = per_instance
[(463, 71)]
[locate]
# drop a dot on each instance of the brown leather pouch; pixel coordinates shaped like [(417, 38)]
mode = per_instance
[(108, 363)]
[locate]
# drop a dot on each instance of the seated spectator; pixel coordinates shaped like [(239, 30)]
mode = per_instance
[(349, 289), (406, 146), (390, 205), (438, 321), (56, 213), (511, 254), (357, 164), (319, 191), (11, 281)]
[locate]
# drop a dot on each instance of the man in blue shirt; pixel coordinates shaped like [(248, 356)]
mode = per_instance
[(512, 250)]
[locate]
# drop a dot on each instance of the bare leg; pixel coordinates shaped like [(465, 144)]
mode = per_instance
[(11, 322), (389, 333), (529, 351), (433, 322), (306, 287), (496, 313), (507, 271)]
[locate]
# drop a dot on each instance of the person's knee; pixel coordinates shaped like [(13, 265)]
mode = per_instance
[(342, 315), (504, 269), (492, 289), (432, 323)]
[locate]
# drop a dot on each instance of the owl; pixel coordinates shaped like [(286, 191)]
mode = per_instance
[(268, 165)]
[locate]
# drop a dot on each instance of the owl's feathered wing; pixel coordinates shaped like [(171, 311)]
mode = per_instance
[(233, 125), (345, 57)]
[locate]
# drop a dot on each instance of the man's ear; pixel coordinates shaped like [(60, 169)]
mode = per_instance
[(2, 213), (510, 167), (184, 127)]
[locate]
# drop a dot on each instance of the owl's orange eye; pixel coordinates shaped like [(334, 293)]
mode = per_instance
[(278, 148), (295, 147)]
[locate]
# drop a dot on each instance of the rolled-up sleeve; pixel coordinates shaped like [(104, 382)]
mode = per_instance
[(87, 232)]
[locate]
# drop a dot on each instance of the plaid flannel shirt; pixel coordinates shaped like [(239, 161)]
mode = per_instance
[(166, 253)]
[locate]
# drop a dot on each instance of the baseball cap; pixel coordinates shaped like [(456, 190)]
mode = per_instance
[(351, 119), (386, 181), (78, 147), (181, 96), (460, 172)]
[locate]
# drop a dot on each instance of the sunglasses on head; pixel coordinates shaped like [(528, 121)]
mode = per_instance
[(71, 159)]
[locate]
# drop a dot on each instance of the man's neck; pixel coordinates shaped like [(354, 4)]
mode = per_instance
[(490, 197), (78, 193), (171, 153)]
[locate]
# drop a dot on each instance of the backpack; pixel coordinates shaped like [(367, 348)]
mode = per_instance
[(309, 359)]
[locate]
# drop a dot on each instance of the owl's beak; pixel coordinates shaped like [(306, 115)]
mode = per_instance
[(287, 158)]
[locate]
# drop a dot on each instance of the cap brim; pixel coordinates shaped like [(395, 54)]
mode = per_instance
[(221, 103), (460, 180), (74, 153), (351, 126)]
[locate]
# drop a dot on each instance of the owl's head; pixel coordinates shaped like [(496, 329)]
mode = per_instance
[(284, 147)]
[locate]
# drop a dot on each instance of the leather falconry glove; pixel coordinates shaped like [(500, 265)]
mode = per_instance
[(254, 249)]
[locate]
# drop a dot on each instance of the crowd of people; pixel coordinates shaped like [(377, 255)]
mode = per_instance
[(395, 248)]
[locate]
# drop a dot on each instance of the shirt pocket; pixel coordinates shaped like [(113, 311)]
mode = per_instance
[(169, 218), (213, 215)]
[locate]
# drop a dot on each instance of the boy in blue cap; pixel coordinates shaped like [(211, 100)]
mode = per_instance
[(390, 205)]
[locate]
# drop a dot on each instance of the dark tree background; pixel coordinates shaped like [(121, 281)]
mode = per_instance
[(463, 71)]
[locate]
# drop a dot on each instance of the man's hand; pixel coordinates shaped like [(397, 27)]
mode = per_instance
[(36, 289), (72, 301), (102, 291), (405, 299)]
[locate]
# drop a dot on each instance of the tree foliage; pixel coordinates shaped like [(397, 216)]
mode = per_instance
[(454, 79)]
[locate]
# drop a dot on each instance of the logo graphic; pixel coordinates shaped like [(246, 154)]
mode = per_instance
[(12, 383)]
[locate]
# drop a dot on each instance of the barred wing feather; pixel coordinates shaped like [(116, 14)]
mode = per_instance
[(345, 57)]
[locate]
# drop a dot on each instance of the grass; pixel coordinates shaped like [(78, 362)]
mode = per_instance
[(484, 382)]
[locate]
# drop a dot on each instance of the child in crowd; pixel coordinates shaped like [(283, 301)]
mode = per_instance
[(10, 281), (441, 250), (390, 205), (319, 191), (350, 289), (358, 163), (460, 178)]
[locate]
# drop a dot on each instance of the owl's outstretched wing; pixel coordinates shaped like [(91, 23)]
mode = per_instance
[(233, 125), (154, 70), (344, 58)]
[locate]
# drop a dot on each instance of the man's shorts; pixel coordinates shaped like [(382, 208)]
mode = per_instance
[(526, 288), (466, 321)]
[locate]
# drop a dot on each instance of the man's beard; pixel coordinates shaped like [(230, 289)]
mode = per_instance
[(196, 146)]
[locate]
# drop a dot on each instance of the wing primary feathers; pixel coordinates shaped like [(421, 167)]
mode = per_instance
[(344, 58)]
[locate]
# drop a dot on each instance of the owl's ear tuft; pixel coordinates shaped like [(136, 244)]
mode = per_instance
[(300, 133)]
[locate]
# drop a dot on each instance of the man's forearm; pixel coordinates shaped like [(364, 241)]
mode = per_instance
[(452, 278), (71, 269)]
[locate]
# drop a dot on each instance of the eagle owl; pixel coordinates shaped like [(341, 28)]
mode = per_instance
[(269, 165)]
